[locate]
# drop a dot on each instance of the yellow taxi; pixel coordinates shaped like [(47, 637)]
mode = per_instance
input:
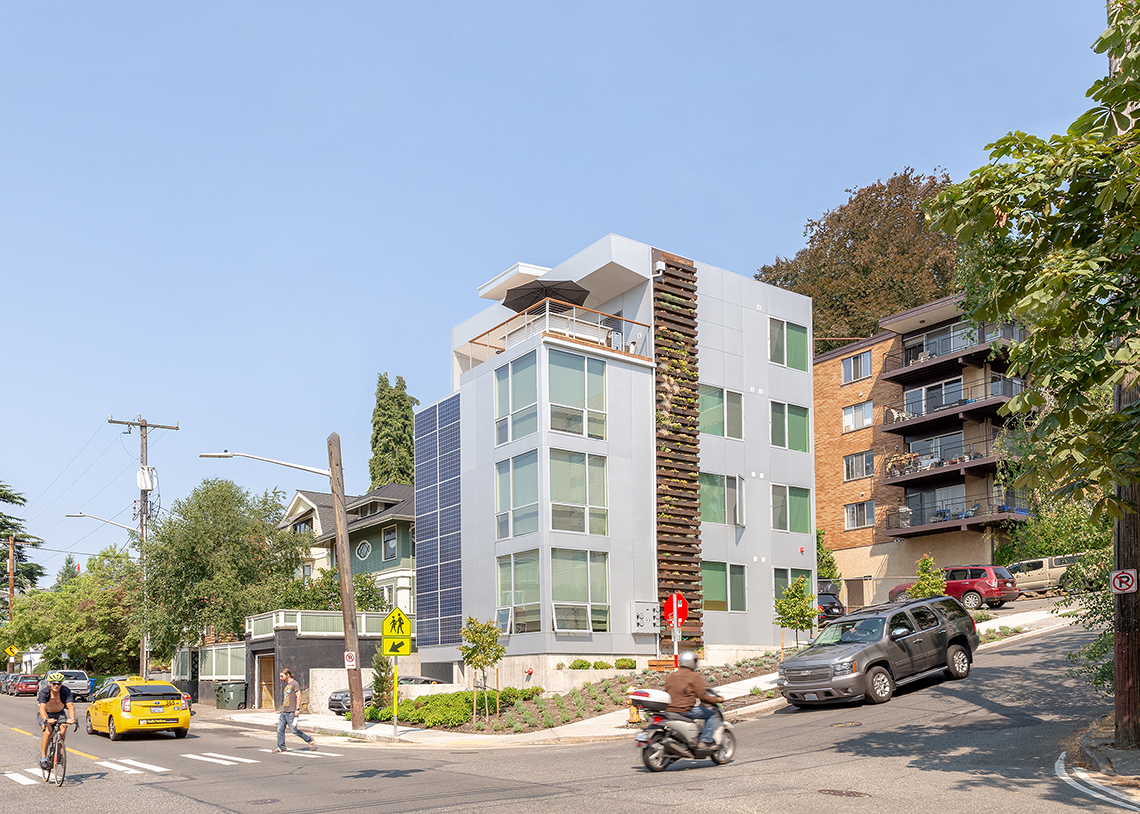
[(133, 704)]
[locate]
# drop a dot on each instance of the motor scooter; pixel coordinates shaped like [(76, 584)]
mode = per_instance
[(669, 736)]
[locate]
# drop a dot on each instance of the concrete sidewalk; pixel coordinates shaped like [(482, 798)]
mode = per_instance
[(611, 726)]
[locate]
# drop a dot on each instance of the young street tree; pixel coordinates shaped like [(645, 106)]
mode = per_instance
[(931, 581), (1057, 222), (870, 257), (481, 650), (797, 609), (27, 572), (217, 557), (393, 434)]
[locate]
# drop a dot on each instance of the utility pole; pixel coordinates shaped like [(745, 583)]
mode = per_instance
[(11, 581), (145, 485), (347, 592)]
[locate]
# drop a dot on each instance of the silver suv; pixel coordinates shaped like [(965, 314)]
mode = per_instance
[(868, 653)]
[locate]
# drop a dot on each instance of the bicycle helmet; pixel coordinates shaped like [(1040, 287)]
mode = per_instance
[(55, 678), (687, 659)]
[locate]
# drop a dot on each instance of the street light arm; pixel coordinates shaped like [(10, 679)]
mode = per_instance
[(228, 454), (103, 520)]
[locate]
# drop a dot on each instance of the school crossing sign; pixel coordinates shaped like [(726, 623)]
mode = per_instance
[(397, 633)]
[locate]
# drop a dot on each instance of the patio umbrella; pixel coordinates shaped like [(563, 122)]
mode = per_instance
[(524, 296)]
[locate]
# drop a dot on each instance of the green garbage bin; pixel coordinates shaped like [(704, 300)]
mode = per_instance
[(230, 694)]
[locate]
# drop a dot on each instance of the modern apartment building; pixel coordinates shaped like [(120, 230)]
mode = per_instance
[(908, 445), (595, 458)]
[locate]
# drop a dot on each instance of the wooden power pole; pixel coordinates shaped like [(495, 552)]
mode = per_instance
[(145, 486)]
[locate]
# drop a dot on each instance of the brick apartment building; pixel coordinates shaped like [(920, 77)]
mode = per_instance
[(907, 444)]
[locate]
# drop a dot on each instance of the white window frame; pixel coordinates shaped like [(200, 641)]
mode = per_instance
[(772, 423), (505, 419), (589, 604), (726, 395), (783, 360), (362, 544), (852, 466), (864, 409), (384, 543), (507, 515), (510, 615), (733, 489), (864, 367), (788, 507), (585, 411), (729, 595), (851, 513), (595, 507)]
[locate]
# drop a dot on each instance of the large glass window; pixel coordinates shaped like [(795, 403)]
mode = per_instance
[(857, 367), (788, 344), (721, 411), (931, 397), (516, 495), (577, 394), (389, 539), (519, 601), (722, 587), (791, 508), (580, 588), (578, 492), (859, 465), (942, 447), (783, 577), (790, 426), (858, 416), (859, 515), (516, 399), (722, 499)]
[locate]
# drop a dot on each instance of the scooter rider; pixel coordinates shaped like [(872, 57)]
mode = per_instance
[(687, 688)]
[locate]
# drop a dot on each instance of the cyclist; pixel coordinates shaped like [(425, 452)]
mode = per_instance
[(56, 707)]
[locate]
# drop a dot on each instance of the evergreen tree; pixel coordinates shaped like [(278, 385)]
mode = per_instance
[(825, 565), (393, 434), (27, 572), (67, 573)]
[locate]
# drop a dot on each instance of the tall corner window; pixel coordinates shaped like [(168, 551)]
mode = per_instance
[(859, 465), (859, 515), (580, 589), (858, 416), (783, 577), (578, 492), (516, 399), (788, 344), (721, 411), (519, 600), (857, 367), (791, 508), (577, 394), (790, 427), (516, 495), (389, 538), (723, 587), (722, 499)]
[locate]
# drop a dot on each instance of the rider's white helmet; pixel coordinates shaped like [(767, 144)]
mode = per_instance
[(687, 659)]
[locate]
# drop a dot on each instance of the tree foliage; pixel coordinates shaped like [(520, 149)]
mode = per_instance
[(382, 674), (67, 572), (28, 573), (481, 650), (1096, 608), (393, 434), (92, 618), (869, 257), (1054, 227), (931, 581), (322, 592), (796, 609), (825, 565), (217, 557)]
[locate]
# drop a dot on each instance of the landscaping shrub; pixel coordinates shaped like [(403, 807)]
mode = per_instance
[(602, 665), (625, 664), (579, 664)]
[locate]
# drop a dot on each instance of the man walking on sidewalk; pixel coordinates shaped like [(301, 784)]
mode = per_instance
[(289, 712)]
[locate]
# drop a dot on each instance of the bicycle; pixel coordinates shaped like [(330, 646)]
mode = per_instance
[(57, 754)]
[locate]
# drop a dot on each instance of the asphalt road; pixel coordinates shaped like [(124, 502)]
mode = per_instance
[(987, 743)]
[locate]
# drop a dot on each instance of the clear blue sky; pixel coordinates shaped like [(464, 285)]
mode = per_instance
[(234, 215)]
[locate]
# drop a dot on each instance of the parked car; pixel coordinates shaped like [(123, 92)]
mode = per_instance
[(9, 680), (870, 652), (77, 681), (25, 684), (972, 585), (339, 702), (829, 608), (137, 704), (1042, 573)]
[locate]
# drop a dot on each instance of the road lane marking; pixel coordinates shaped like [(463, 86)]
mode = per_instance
[(141, 765), (212, 760), (19, 778), (82, 754), (303, 753), (231, 757), (1106, 789), (117, 767), (1062, 774), (22, 732)]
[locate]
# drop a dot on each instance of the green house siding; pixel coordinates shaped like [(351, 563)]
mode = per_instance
[(374, 562)]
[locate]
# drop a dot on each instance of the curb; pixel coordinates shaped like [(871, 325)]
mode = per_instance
[(1092, 754)]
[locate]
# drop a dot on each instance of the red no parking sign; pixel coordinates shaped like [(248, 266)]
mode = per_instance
[(1123, 582)]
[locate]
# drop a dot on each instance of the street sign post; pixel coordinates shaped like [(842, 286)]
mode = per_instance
[(676, 612), (1123, 582), (397, 641)]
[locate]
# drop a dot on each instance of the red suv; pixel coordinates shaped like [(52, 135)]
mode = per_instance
[(972, 585)]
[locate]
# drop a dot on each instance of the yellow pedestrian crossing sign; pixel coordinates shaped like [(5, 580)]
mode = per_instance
[(397, 632)]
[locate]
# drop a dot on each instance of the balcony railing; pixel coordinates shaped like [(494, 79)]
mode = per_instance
[(939, 343), (561, 319), (916, 406), (956, 510), (950, 453), (314, 623)]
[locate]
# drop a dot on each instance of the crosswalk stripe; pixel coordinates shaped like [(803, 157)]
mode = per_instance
[(117, 767), (142, 765), (301, 753), (231, 757), (19, 778), (212, 760)]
